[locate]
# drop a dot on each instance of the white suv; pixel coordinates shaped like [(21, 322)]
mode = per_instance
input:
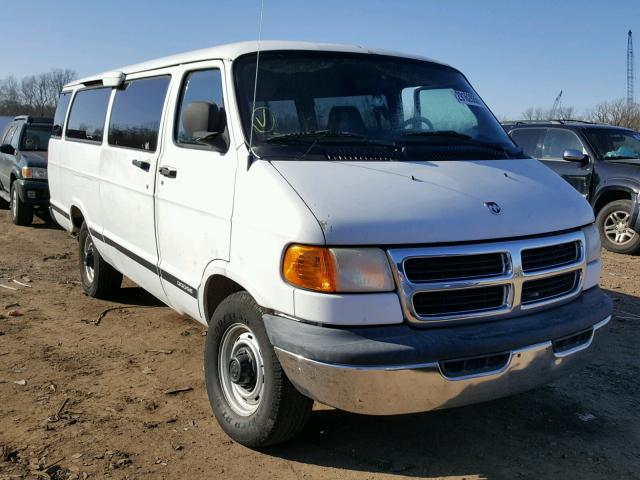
[(354, 226)]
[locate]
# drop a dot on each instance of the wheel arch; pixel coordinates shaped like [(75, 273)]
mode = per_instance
[(611, 194), (216, 288), (77, 218)]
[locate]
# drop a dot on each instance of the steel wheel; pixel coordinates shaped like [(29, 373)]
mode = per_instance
[(88, 258), (616, 228), (241, 369)]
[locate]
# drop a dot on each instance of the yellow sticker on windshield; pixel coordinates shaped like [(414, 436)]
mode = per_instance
[(263, 120)]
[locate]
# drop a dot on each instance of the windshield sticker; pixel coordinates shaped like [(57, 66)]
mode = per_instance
[(468, 98), (264, 121)]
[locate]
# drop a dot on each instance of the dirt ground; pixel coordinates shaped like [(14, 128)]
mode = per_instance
[(86, 400)]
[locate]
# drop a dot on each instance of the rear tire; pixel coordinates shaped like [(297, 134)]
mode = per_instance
[(98, 278), (21, 213), (614, 234), (262, 407)]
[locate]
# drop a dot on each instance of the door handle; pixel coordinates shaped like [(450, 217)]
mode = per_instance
[(169, 172), (141, 164)]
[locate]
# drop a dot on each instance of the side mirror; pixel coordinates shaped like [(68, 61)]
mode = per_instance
[(573, 155), (8, 149)]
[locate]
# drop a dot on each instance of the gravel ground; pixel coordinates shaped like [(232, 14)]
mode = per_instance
[(86, 400)]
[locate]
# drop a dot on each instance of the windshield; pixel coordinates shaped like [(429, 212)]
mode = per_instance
[(614, 144), (309, 98), (35, 138)]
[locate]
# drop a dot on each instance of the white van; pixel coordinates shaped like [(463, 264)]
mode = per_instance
[(354, 226)]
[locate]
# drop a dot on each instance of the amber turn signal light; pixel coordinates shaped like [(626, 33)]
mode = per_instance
[(310, 267)]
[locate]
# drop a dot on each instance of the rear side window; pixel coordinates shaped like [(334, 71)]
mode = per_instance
[(528, 139), (136, 113), (87, 116), (61, 113)]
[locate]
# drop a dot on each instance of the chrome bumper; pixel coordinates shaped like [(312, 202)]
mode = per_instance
[(397, 389)]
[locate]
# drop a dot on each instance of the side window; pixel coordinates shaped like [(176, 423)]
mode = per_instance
[(87, 116), (528, 139), (8, 133), (61, 113), (556, 141), (201, 105), (15, 138), (136, 113)]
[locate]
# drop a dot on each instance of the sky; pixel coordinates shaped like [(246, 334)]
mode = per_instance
[(516, 54)]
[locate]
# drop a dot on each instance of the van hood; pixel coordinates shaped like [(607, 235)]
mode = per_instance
[(385, 203)]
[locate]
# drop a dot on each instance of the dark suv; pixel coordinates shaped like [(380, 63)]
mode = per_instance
[(602, 162), (23, 166)]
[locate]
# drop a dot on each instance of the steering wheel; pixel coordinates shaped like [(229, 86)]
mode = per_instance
[(415, 122)]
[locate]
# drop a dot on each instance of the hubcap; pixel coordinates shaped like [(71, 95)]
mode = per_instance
[(241, 369), (88, 256), (616, 228)]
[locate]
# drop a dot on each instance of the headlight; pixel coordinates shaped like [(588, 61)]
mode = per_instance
[(592, 239), (337, 269), (34, 172)]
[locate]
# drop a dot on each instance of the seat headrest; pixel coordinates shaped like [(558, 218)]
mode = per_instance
[(345, 118), (201, 117)]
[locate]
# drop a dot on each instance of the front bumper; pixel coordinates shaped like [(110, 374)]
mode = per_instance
[(33, 191), (399, 369)]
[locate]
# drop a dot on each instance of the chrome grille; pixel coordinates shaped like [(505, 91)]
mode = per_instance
[(426, 269), (548, 287), (463, 283), (444, 302), (534, 259)]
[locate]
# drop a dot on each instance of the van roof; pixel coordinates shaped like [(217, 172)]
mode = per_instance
[(231, 51)]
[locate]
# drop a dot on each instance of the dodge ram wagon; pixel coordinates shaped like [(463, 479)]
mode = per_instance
[(353, 225)]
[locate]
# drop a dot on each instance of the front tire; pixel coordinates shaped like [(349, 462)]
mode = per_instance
[(615, 233), (98, 278), (250, 395), (21, 213)]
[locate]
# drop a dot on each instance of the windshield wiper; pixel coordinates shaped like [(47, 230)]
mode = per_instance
[(436, 133), (321, 135), (621, 157), (463, 136)]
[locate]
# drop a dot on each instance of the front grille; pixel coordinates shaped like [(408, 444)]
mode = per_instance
[(548, 287), (445, 284), (429, 269), (535, 259), (474, 366), (451, 302)]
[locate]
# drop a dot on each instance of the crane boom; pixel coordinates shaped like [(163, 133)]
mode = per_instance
[(556, 106)]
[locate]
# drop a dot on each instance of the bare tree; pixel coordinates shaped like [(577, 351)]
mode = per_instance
[(617, 112), (539, 113), (57, 79), (33, 94)]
